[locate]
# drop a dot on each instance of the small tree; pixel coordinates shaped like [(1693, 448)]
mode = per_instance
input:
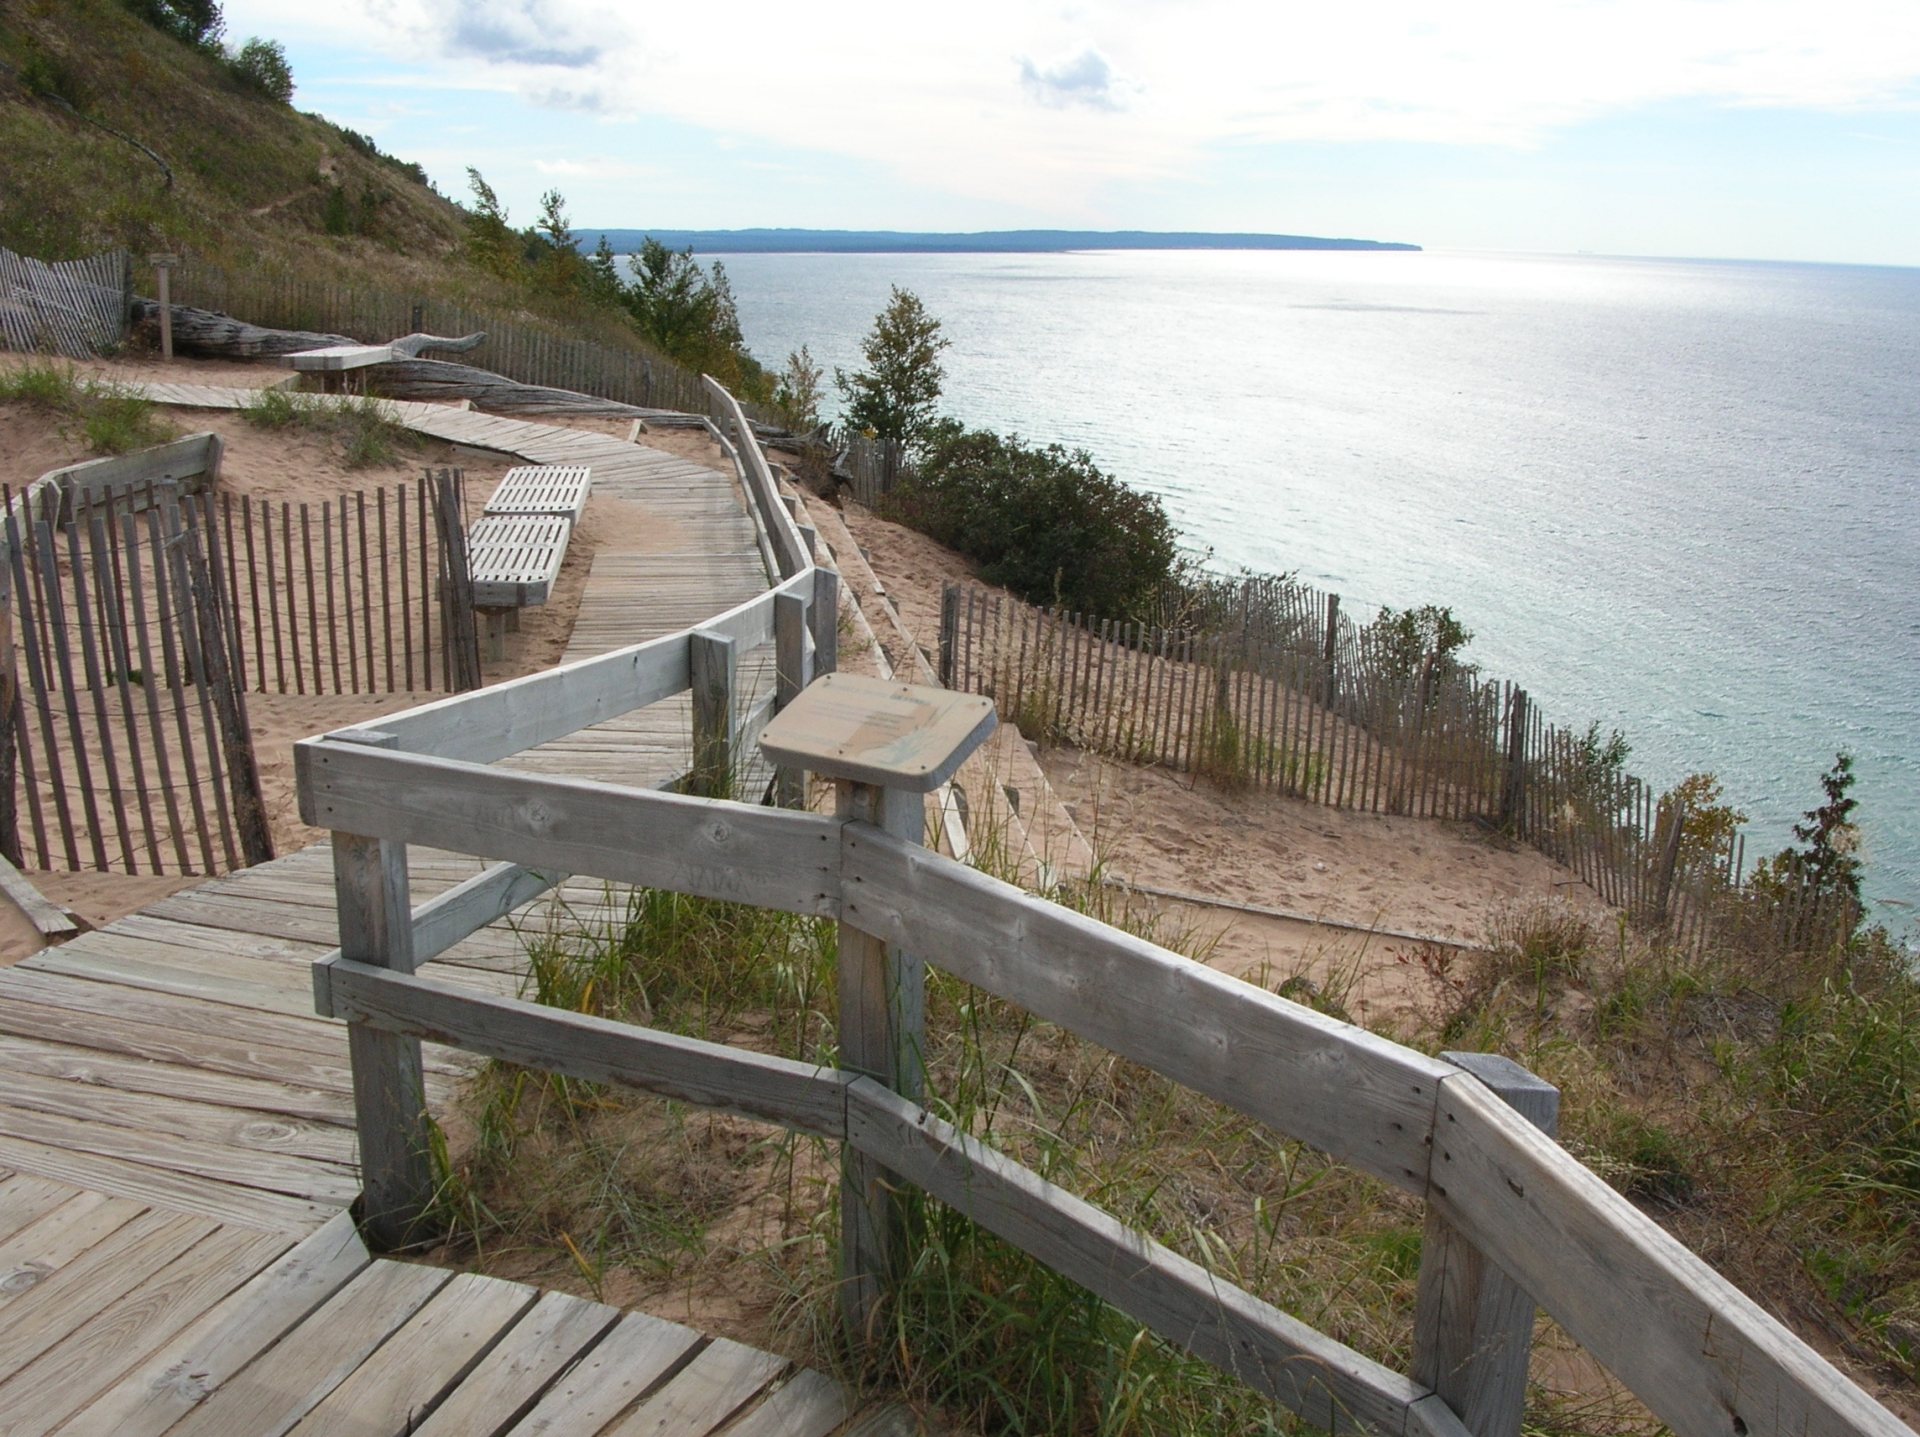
[(797, 394), (261, 65), (895, 395), (1401, 639)]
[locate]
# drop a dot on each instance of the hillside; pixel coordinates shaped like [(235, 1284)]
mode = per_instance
[(252, 179)]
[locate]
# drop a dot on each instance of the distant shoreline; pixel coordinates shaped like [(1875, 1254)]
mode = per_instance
[(805, 241)]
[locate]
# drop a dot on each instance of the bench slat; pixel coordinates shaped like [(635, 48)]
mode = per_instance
[(557, 489), (516, 558)]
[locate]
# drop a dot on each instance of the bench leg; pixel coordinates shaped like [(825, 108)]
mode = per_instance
[(496, 634)]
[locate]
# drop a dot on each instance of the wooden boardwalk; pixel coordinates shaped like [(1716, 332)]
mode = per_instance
[(177, 1149)]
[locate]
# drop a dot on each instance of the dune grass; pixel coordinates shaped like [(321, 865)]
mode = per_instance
[(1769, 1122), (109, 418)]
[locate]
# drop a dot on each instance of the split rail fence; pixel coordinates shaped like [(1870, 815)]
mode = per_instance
[(1277, 688), (1512, 1218)]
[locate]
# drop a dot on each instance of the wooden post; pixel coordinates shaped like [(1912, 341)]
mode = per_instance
[(949, 631), (886, 745), (389, 1086), (162, 268), (826, 621), (790, 677), (1330, 649), (711, 659), (1513, 796), (1472, 1324), (882, 1036), (1670, 859), (9, 726)]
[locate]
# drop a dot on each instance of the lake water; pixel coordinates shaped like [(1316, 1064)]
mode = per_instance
[(1677, 497)]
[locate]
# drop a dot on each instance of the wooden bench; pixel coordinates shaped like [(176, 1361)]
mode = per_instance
[(550, 489), (334, 361), (514, 560)]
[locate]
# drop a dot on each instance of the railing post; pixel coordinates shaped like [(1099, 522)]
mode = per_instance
[(389, 1086), (790, 677), (711, 659), (883, 1033), (826, 621), (1472, 1324), (886, 746)]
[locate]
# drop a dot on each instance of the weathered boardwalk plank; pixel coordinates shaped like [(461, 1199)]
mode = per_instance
[(176, 1140)]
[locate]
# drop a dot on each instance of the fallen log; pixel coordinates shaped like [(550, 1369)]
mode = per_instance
[(211, 335)]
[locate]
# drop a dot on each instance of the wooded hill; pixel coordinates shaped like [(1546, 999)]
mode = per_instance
[(97, 107)]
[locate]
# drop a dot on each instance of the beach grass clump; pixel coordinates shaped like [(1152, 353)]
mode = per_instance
[(110, 418), (365, 431)]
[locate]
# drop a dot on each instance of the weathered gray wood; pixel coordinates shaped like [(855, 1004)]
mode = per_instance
[(55, 924), (767, 857), (1329, 1384), (699, 1398), (427, 1357), (524, 713), (826, 621), (470, 906), (796, 1095), (792, 673), (1702, 1355), (538, 1348), (711, 668), (41, 1394), (1473, 1325), (269, 1395), (809, 1404), (389, 1086), (883, 1035), (1346, 1091), (625, 1364), (192, 1365), (556, 489), (878, 731)]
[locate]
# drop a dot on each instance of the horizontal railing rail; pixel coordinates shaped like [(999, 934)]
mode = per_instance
[(1505, 1202)]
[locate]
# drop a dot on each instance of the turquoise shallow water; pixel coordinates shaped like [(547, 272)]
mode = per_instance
[(1675, 496)]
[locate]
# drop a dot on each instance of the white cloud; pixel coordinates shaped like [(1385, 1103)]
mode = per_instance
[(945, 97)]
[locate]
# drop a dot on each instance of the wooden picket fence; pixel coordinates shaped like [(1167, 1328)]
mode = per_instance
[(353, 594), (124, 732), (1280, 690), (560, 355)]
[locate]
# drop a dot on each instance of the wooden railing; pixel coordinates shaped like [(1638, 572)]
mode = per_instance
[(1512, 1218)]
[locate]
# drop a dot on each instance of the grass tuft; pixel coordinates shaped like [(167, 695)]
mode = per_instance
[(365, 431), (110, 418)]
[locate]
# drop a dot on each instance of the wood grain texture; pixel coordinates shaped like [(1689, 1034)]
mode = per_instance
[(698, 1399), (766, 857), (626, 1364), (189, 1367), (797, 1095), (430, 1354), (543, 1344), (269, 1395), (41, 1394), (1347, 1092), (1702, 1355), (1473, 1325), (1327, 1383)]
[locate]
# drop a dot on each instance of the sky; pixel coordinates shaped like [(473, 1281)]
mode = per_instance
[(1758, 129)]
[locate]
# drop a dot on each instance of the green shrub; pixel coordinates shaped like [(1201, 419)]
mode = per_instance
[(1045, 522), (117, 421), (261, 66)]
